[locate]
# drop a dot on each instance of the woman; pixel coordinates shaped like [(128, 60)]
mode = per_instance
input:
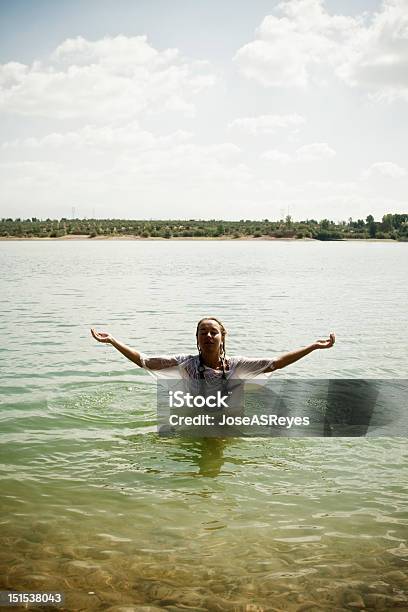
[(211, 362)]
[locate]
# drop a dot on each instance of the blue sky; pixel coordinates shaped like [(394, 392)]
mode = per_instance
[(215, 29), (154, 109)]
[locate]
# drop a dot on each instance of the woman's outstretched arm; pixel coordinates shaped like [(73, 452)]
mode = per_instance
[(151, 363), (288, 358), (122, 348)]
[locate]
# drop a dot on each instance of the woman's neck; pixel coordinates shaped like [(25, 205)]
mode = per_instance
[(211, 360)]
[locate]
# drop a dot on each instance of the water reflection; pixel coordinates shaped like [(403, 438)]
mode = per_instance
[(207, 454)]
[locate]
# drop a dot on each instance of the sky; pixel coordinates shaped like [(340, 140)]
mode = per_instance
[(150, 109)]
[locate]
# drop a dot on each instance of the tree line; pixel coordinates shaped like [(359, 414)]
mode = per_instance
[(391, 226)]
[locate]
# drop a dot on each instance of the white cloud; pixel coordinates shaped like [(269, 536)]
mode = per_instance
[(101, 138), (267, 124), (185, 164), (290, 46), (11, 75), (387, 169), (307, 153), (276, 156), (303, 43), (343, 188), (377, 57), (112, 78), (315, 152)]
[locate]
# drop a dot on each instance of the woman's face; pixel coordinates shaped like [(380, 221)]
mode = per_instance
[(209, 336)]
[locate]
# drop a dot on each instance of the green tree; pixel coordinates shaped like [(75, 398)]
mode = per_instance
[(387, 223)]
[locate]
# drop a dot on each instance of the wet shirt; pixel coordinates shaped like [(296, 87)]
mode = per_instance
[(187, 366)]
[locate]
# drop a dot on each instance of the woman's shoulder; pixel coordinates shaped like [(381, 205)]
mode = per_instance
[(250, 366), (234, 359), (184, 357)]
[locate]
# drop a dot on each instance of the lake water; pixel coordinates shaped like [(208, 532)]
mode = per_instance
[(96, 505)]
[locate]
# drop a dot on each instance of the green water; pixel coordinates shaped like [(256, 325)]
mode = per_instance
[(96, 505)]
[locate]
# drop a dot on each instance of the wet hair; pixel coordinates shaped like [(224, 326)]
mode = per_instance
[(222, 351)]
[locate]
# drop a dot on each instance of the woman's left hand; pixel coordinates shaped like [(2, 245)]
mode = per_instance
[(323, 344)]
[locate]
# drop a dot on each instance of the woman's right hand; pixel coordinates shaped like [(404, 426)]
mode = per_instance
[(102, 336)]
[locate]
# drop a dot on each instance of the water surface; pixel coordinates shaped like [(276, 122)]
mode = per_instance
[(96, 504)]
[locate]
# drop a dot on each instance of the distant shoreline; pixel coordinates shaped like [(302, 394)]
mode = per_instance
[(74, 237), (392, 227)]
